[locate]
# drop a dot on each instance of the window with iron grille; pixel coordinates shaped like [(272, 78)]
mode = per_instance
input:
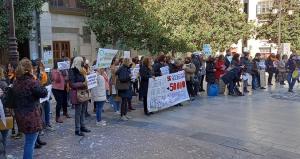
[(86, 34)]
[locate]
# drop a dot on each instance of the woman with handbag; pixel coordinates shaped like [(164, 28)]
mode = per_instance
[(28, 91), (79, 94), (123, 86)]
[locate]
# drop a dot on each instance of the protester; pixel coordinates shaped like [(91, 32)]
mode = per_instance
[(161, 60), (291, 67), (99, 96), (113, 98), (230, 78), (282, 72), (202, 72), (79, 94), (220, 67), (196, 80), (259, 70), (210, 72), (28, 116), (4, 133), (270, 68), (123, 86), (190, 70), (245, 61), (145, 74), (59, 90)]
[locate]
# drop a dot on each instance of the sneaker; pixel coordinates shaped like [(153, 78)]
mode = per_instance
[(42, 133), (128, 117), (101, 123), (118, 112), (123, 118), (50, 128)]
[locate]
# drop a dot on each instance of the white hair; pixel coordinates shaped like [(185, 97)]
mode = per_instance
[(77, 63)]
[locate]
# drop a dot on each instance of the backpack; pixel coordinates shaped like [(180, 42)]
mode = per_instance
[(8, 98)]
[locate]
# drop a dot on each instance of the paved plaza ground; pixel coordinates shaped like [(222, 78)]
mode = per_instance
[(265, 125)]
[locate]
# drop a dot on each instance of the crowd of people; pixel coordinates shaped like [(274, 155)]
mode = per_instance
[(115, 85)]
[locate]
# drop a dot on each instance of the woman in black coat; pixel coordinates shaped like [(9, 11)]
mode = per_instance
[(210, 72), (145, 74), (124, 78)]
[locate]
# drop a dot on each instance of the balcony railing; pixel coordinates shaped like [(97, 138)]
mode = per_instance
[(73, 7)]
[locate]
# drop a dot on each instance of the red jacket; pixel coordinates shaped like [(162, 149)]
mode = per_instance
[(220, 66)]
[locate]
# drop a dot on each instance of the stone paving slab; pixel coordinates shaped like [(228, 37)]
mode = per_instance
[(256, 126)]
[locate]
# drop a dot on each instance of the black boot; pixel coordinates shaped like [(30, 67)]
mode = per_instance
[(37, 146), (83, 129), (78, 133)]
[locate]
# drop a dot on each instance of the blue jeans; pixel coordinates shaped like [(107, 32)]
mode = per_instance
[(99, 107), (116, 105), (291, 80), (30, 140), (46, 108), (254, 81)]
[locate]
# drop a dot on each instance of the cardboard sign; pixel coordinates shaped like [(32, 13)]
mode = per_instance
[(167, 91), (91, 80), (65, 65), (207, 49), (127, 54), (49, 89), (105, 57)]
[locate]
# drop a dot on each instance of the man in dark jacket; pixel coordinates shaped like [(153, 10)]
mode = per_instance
[(231, 78), (159, 64)]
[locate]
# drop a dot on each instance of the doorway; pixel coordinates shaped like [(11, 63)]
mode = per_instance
[(61, 49)]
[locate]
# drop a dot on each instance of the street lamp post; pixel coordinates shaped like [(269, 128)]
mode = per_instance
[(279, 25), (13, 56)]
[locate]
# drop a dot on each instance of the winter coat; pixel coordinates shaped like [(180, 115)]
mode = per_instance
[(190, 70), (270, 66), (123, 75), (77, 82), (156, 69), (145, 74), (197, 64), (232, 75), (210, 73), (58, 80), (99, 92), (291, 65), (220, 66), (28, 91), (248, 65)]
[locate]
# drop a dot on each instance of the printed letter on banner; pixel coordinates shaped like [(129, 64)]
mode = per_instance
[(167, 91)]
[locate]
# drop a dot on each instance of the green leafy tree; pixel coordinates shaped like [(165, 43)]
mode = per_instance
[(190, 23), (123, 22), (23, 19), (290, 24)]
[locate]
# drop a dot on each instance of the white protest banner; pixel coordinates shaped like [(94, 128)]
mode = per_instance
[(2, 114), (104, 57), (127, 54), (91, 80), (49, 88), (165, 70), (166, 91), (65, 65)]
